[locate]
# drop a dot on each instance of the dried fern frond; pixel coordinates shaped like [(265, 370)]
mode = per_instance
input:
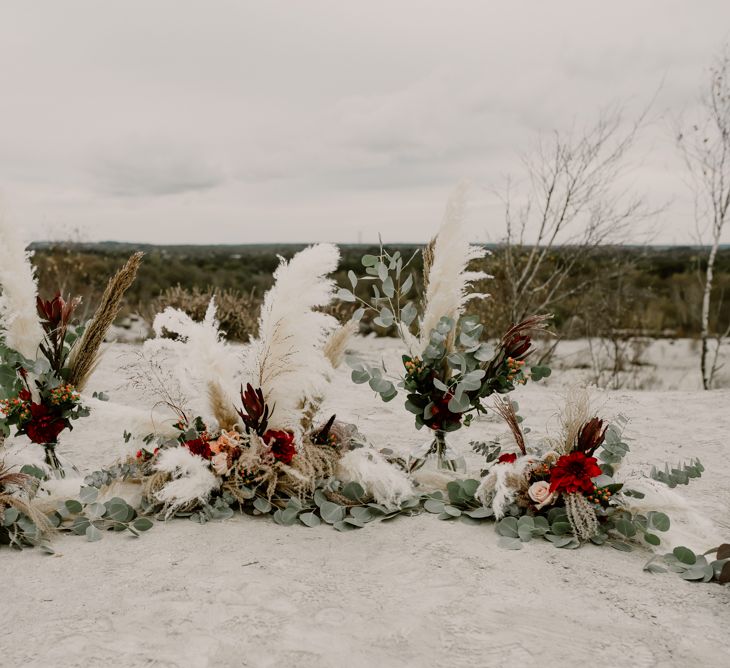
[(505, 408), (85, 354)]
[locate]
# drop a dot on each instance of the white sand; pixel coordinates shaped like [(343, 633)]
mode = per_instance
[(411, 592)]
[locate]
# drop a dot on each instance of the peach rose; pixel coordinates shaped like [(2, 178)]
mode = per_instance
[(220, 463), (540, 493), (227, 439)]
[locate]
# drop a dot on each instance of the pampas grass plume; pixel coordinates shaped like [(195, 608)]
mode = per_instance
[(287, 359), (19, 323), (445, 262)]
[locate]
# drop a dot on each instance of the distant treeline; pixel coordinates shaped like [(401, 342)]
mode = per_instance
[(653, 291)]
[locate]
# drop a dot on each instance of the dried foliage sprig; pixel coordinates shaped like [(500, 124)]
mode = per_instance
[(506, 410), (85, 354)]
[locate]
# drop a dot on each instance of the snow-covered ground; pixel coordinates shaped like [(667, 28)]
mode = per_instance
[(411, 592)]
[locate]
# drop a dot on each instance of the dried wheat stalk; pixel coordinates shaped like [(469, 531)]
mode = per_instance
[(85, 354), (428, 255)]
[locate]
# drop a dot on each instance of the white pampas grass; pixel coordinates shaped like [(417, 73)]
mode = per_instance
[(496, 489), (448, 278), (18, 290), (287, 360), (192, 479), (384, 482), (197, 357)]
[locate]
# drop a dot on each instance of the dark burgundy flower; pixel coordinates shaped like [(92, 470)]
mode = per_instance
[(281, 444), (507, 458), (57, 312), (591, 436), (572, 473), (24, 395), (254, 412), (44, 426), (200, 447), (441, 415)]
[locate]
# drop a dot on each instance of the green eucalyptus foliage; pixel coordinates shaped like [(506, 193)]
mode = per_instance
[(694, 567), (681, 475)]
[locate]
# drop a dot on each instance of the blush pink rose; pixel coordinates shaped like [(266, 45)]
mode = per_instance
[(540, 493)]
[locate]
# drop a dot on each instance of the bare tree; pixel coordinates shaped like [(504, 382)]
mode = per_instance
[(706, 152), (577, 200)]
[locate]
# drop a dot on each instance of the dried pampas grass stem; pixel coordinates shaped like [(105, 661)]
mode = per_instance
[(428, 254), (221, 407), (85, 354), (334, 349), (506, 409)]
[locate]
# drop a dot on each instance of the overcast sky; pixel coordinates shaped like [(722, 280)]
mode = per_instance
[(231, 122)]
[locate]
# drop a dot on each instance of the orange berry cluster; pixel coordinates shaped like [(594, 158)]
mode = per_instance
[(414, 365), (515, 368), (64, 394), (599, 495), (8, 406)]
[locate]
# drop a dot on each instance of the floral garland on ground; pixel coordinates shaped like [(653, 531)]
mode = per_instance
[(531, 510), (264, 455)]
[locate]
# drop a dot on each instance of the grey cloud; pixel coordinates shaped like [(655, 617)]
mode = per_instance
[(153, 169)]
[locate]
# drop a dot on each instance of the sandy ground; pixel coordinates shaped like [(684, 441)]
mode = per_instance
[(412, 592)]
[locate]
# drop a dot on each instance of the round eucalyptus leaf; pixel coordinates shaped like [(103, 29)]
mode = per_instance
[(262, 505), (309, 519), (508, 527), (93, 534), (142, 524), (684, 555), (74, 506)]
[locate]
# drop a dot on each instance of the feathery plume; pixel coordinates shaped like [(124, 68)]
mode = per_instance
[(447, 275), (334, 349), (192, 480), (19, 323), (387, 484), (85, 354), (198, 358), (221, 406), (287, 360)]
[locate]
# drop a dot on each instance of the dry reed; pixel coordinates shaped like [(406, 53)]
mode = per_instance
[(85, 354)]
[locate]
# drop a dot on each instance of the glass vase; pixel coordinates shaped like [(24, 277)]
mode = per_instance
[(58, 466), (437, 454)]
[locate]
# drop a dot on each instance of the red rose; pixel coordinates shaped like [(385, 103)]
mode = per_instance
[(572, 473), (281, 444), (507, 458), (200, 447), (44, 426), (24, 395), (441, 414)]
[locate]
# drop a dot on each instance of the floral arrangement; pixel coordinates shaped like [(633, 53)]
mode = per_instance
[(568, 489), (247, 432), (269, 443), (45, 357), (449, 369)]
